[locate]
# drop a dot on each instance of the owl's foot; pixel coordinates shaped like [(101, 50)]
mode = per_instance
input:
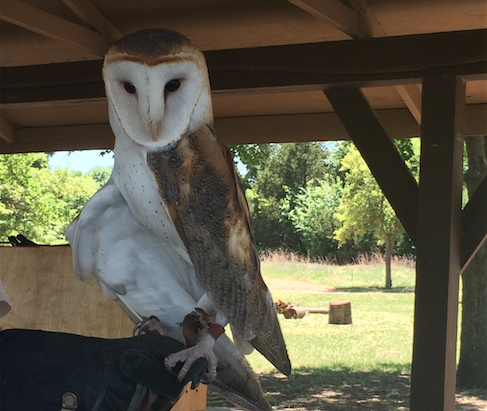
[(204, 349)]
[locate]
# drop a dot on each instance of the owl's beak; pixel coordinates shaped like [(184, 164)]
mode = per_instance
[(155, 128), (152, 109)]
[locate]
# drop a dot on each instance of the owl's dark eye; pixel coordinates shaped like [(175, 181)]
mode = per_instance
[(172, 85), (129, 87)]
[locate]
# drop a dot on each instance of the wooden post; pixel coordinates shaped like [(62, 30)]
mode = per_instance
[(438, 245), (340, 312)]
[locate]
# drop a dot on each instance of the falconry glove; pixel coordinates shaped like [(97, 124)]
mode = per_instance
[(38, 368)]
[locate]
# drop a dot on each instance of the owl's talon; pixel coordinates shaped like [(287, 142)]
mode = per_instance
[(137, 327), (189, 355), (149, 325)]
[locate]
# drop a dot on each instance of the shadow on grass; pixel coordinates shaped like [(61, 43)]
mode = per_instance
[(342, 389), (339, 389), (401, 290)]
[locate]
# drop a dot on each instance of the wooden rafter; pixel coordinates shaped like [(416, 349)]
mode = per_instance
[(358, 22), (6, 131), (233, 130), (372, 62), (88, 13), (369, 24), (412, 97), (52, 26), (334, 13), (379, 152)]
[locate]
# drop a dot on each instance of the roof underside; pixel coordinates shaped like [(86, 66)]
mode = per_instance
[(269, 62)]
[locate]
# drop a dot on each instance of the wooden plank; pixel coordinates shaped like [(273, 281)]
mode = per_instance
[(334, 13), (379, 152), (52, 26), (36, 139), (438, 245), (87, 12), (233, 130), (351, 63), (371, 62), (474, 224), (397, 123), (46, 294), (412, 97), (192, 400), (6, 131)]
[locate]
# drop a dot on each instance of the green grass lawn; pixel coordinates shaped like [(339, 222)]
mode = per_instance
[(380, 336), (365, 365), (360, 277)]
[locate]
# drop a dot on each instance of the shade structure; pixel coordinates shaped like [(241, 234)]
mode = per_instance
[(404, 64)]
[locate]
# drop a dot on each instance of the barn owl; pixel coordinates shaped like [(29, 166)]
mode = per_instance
[(170, 234)]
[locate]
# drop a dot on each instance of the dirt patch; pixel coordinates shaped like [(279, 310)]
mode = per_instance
[(280, 284)]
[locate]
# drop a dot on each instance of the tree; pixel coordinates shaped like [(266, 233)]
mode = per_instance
[(254, 157), (288, 169), (472, 367), (38, 202), (313, 215), (365, 209), (100, 175)]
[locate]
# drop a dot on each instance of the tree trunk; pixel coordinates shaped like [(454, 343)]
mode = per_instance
[(390, 240), (472, 367)]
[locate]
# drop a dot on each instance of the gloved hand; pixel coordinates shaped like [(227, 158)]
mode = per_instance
[(38, 367)]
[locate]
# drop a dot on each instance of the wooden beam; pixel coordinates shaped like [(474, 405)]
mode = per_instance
[(368, 24), (333, 12), (93, 17), (6, 131), (359, 24), (350, 63), (474, 224), (412, 97), (63, 138), (51, 82), (233, 130), (438, 246), (379, 152), (372, 62), (52, 26), (397, 123)]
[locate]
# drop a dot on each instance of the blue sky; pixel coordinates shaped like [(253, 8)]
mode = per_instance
[(83, 160)]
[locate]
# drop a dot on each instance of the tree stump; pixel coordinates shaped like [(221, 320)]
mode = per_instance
[(340, 312)]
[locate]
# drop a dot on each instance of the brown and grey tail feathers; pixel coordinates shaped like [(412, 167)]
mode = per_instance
[(270, 342), (236, 381)]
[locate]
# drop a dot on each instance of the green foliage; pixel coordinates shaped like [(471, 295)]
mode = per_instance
[(100, 175), (295, 197), (253, 157), (313, 215), (289, 168), (364, 207), (38, 202)]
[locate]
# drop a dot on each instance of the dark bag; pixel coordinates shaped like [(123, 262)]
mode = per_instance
[(38, 367)]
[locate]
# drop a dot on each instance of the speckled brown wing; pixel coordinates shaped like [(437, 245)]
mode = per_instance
[(198, 182)]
